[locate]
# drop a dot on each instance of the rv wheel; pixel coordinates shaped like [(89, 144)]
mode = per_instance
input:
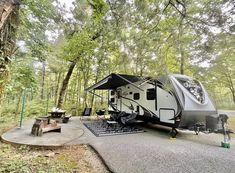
[(197, 130)]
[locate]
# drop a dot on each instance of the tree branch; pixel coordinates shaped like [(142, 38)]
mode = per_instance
[(114, 14)]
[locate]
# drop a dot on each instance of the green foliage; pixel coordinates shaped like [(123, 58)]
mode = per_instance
[(35, 109), (6, 123), (99, 7), (7, 110), (147, 38), (22, 78), (81, 44)]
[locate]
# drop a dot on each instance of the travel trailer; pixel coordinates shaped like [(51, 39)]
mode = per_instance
[(173, 100)]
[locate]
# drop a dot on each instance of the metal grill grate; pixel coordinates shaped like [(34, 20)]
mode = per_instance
[(99, 128)]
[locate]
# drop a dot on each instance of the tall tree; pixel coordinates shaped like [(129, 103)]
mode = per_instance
[(8, 25), (82, 42)]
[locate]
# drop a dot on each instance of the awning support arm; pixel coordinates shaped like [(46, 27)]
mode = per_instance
[(143, 83), (95, 94), (129, 82)]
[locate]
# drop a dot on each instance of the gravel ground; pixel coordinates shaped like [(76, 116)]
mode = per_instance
[(154, 151)]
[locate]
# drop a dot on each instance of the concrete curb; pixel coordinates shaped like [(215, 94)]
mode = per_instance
[(101, 158), (48, 147)]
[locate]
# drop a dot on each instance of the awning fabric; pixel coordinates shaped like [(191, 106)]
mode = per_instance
[(113, 81)]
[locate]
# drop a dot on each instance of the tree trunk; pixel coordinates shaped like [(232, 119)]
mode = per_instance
[(181, 60), (102, 97), (233, 94), (68, 75), (141, 67), (85, 93), (65, 84), (181, 49), (231, 86), (74, 88), (66, 95), (57, 88), (51, 88), (78, 91), (232, 89), (93, 96)]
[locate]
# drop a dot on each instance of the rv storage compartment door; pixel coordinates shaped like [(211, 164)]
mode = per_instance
[(167, 115)]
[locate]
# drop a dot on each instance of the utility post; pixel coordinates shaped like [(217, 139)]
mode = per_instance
[(23, 108), (47, 107)]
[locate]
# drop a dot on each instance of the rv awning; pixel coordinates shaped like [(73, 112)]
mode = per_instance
[(113, 81)]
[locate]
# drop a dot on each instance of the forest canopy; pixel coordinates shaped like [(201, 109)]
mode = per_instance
[(55, 51)]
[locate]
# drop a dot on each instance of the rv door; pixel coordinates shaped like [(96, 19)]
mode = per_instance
[(119, 99), (166, 105)]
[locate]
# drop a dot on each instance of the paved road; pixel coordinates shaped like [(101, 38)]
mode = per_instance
[(153, 152), (228, 112)]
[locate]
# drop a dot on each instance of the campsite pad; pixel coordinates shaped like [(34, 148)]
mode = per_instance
[(150, 152), (69, 132), (99, 128)]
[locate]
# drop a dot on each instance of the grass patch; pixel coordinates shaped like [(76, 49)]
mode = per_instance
[(23, 159)]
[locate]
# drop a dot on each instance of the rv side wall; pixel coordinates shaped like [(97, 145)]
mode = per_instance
[(152, 101)]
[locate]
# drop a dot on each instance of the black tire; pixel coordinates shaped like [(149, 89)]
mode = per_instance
[(173, 133)]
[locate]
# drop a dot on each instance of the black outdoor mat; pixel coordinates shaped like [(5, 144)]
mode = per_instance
[(99, 128)]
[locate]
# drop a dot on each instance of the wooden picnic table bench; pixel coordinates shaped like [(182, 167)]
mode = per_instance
[(44, 124)]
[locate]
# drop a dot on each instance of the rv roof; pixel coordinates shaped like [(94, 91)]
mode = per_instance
[(113, 81)]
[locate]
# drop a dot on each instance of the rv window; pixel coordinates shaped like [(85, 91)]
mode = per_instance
[(112, 100), (136, 96), (112, 92), (151, 94)]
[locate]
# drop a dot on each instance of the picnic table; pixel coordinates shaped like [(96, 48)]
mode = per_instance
[(57, 114)]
